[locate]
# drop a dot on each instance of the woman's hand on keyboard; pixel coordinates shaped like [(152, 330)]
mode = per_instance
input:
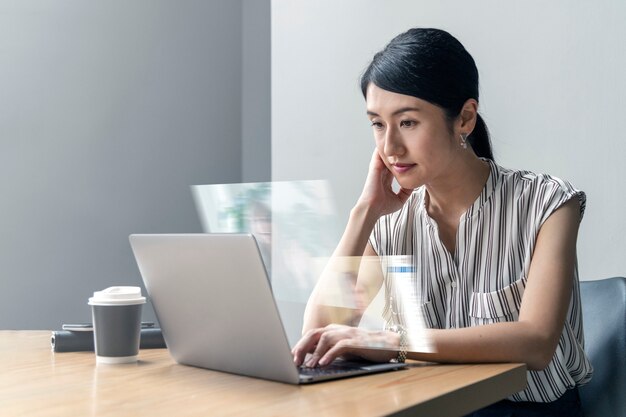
[(328, 343)]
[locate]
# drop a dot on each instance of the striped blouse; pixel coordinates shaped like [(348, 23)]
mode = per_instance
[(483, 281)]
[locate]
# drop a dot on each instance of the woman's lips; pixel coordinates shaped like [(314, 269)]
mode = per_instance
[(402, 168)]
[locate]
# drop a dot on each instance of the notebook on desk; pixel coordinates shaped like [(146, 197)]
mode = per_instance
[(213, 300)]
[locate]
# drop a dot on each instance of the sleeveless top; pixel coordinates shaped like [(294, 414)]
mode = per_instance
[(483, 281)]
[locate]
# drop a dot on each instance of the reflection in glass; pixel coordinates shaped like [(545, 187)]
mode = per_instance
[(294, 224)]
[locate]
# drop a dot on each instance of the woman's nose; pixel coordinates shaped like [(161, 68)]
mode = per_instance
[(393, 143)]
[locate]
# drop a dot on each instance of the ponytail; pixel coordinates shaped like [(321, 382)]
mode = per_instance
[(479, 139)]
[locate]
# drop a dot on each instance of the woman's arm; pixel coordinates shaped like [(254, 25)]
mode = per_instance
[(351, 278), (345, 265), (534, 337), (531, 340)]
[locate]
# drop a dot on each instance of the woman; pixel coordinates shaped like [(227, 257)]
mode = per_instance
[(493, 250)]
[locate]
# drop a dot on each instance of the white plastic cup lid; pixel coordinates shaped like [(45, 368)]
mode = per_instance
[(113, 296)]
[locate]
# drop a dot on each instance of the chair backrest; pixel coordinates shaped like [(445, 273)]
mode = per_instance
[(604, 324)]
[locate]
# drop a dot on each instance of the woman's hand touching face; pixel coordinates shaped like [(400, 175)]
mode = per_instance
[(377, 191)]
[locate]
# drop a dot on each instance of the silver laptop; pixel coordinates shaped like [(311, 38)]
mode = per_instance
[(216, 309)]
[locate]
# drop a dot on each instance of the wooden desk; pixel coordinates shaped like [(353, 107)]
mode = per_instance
[(34, 381)]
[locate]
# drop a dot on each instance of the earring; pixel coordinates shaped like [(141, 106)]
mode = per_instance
[(464, 140)]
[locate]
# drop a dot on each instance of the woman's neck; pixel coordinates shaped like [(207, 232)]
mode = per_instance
[(450, 196)]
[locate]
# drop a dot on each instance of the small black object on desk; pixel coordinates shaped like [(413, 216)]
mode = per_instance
[(82, 340)]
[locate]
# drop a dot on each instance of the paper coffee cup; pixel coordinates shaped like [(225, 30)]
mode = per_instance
[(116, 315)]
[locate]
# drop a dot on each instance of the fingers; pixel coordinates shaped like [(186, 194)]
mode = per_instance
[(378, 191), (387, 177), (310, 341), (305, 345), (376, 158), (326, 341), (317, 342), (334, 341), (377, 164), (341, 347)]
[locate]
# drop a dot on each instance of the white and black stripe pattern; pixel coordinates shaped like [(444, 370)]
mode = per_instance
[(483, 281)]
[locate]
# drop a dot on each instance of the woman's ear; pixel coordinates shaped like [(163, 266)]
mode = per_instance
[(468, 115)]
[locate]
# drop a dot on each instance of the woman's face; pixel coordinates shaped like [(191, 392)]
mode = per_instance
[(412, 136)]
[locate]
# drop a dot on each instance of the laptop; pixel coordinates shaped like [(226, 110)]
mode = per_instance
[(213, 300)]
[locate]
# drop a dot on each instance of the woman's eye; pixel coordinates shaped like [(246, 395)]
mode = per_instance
[(407, 123), (377, 125)]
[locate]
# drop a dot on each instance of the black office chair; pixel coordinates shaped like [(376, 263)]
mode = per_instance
[(604, 324)]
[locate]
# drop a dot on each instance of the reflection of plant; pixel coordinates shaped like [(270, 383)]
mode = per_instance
[(234, 217), (300, 219), (307, 227), (258, 192)]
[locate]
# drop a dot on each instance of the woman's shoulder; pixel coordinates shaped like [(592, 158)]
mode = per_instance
[(524, 181), (538, 189)]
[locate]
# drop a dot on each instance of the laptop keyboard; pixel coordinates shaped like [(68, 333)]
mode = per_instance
[(332, 369)]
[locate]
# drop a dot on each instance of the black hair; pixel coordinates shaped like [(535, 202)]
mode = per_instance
[(432, 65)]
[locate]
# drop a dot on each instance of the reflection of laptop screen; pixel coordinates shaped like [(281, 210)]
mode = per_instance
[(294, 223), (212, 298)]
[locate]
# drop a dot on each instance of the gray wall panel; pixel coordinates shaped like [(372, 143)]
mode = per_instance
[(109, 111)]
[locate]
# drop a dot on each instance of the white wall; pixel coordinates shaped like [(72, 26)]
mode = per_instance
[(109, 110), (552, 93)]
